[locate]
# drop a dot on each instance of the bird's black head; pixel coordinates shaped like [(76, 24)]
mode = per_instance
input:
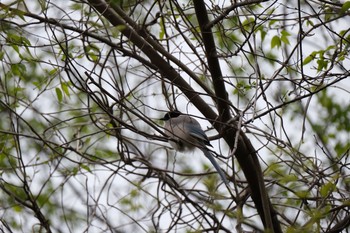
[(171, 114)]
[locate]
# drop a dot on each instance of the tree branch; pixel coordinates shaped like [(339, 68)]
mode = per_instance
[(229, 9), (246, 154), (164, 67)]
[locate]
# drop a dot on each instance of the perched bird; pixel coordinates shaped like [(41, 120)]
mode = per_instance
[(186, 134)]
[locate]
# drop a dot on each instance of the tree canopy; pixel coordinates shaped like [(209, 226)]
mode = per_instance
[(83, 85)]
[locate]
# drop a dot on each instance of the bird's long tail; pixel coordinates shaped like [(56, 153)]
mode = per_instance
[(207, 154)]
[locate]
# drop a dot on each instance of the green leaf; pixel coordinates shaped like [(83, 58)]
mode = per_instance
[(330, 47), (322, 64), (65, 88), (326, 189), (18, 69), (284, 37), (85, 167), (93, 52), (162, 30), (308, 59), (309, 23), (302, 193), (248, 23), (17, 39), (272, 22), (274, 168), (53, 71), (262, 31), (276, 41), (289, 178), (59, 94), (346, 6), (76, 6), (25, 41), (120, 27), (17, 208), (16, 48)]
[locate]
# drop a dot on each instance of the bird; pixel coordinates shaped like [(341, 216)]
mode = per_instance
[(186, 134)]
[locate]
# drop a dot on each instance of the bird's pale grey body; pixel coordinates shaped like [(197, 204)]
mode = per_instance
[(181, 127), (186, 134)]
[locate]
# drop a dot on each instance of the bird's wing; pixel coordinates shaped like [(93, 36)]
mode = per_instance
[(199, 134)]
